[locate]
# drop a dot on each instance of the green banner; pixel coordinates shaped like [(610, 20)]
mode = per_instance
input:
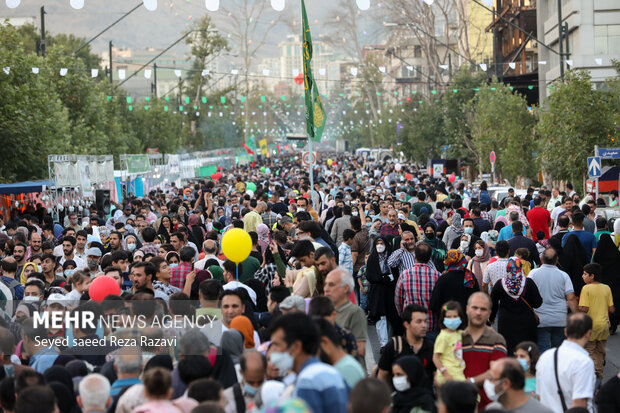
[(315, 114), (138, 164)]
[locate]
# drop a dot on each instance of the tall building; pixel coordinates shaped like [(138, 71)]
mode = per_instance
[(593, 39), (480, 40), (516, 51), (291, 60)]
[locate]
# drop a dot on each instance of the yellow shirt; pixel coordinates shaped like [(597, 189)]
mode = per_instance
[(449, 344), (598, 299)]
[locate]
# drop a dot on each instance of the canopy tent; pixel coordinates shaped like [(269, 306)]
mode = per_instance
[(24, 187)]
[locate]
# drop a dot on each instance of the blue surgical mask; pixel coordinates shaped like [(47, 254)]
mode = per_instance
[(173, 265), (250, 390), (69, 273), (131, 247), (524, 363), (452, 323), (468, 230)]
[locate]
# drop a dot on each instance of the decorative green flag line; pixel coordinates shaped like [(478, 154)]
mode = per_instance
[(315, 114)]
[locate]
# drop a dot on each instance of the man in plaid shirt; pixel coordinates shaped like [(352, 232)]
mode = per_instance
[(415, 285), (179, 273)]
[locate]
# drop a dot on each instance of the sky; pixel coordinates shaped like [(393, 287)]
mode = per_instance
[(160, 28)]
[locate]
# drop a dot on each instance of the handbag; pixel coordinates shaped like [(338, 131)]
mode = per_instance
[(534, 312)]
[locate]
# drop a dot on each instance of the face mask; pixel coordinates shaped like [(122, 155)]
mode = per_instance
[(524, 364), (355, 213), (69, 273), (401, 384), (430, 235), (283, 361), (92, 264), (39, 268), (131, 247), (249, 390), (60, 274), (452, 323), (464, 244), (380, 248), (173, 265), (489, 389), (468, 230), (31, 298), (479, 253)]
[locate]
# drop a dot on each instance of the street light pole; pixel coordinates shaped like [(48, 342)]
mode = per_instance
[(560, 39)]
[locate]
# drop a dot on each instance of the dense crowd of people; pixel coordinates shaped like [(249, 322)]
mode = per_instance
[(475, 302)]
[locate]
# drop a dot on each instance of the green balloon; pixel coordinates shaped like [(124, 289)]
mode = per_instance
[(251, 186), (262, 169)]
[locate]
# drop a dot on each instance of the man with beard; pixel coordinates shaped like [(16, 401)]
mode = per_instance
[(19, 253), (404, 257), (142, 276), (68, 249), (35, 245)]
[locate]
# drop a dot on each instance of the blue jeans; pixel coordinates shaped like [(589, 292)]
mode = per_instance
[(550, 337)]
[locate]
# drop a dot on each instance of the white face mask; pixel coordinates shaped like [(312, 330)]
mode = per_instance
[(401, 384), (283, 361), (479, 253), (464, 244), (301, 209), (489, 389), (380, 248), (31, 298)]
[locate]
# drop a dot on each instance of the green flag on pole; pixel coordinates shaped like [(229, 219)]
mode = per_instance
[(315, 115)]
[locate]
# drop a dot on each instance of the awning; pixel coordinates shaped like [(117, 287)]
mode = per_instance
[(24, 187)]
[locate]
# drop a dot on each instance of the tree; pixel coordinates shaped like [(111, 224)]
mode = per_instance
[(575, 119), (500, 122), (424, 132)]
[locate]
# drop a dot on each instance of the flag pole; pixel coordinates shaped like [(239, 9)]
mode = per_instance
[(311, 163)]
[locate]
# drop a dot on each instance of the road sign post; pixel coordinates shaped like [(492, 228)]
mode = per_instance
[(492, 160), (595, 168)]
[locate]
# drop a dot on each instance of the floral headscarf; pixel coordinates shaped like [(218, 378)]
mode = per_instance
[(514, 282), (455, 261)]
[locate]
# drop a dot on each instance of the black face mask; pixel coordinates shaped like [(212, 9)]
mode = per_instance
[(430, 235)]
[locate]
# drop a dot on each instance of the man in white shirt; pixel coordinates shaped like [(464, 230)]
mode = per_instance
[(555, 198), (232, 306), (496, 270), (211, 250), (68, 249), (575, 369), (230, 269), (556, 289)]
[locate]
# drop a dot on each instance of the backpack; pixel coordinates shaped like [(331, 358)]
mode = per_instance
[(11, 285)]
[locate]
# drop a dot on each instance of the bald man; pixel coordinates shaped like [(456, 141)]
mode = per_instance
[(211, 249), (507, 380), (253, 368)]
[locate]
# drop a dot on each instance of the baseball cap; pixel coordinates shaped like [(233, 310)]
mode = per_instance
[(93, 252), (57, 299), (401, 216)]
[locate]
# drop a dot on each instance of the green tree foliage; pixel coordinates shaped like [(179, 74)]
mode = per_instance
[(501, 122), (577, 118), (423, 132)]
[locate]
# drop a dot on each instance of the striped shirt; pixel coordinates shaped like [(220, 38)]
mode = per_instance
[(402, 259), (415, 286), (345, 258), (321, 387)]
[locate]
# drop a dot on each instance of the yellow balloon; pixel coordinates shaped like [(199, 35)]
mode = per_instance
[(329, 162), (236, 245)]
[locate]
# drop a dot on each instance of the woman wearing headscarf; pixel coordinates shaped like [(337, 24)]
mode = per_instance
[(411, 395), (608, 256), (478, 263), (196, 231), (455, 230), (439, 248), (243, 324), (514, 300), (457, 283), (165, 229), (381, 291), (263, 237), (27, 269)]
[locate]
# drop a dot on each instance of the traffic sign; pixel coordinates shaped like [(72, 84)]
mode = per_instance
[(492, 157), (305, 158), (609, 153), (594, 166)]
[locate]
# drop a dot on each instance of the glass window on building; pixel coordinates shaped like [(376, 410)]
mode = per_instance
[(600, 40), (613, 40)]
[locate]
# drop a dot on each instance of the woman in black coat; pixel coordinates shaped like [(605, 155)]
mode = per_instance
[(381, 291), (514, 299)]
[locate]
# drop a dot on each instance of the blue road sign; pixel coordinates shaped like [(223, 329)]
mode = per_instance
[(609, 153), (594, 166)]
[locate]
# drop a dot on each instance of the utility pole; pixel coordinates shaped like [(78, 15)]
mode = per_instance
[(43, 31), (155, 79), (560, 30), (450, 65), (111, 71)]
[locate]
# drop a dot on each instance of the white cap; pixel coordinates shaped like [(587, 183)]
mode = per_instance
[(57, 299), (402, 216)]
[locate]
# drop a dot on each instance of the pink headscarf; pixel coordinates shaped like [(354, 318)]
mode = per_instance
[(263, 237)]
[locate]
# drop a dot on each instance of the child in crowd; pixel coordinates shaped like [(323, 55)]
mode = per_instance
[(158, 391), (527, 355), (596, 300), (542, 244), (448, 351), (523, 254), (80, 281), (364, 285)]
